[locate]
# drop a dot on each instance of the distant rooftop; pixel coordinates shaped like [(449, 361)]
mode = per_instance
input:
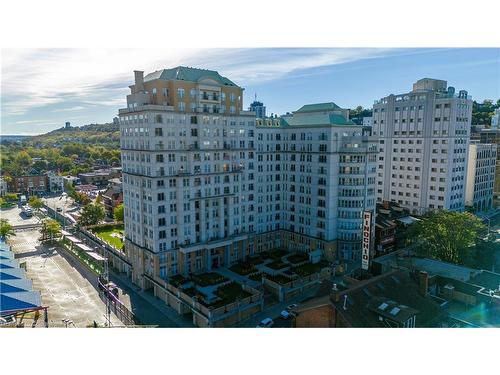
[(318, 114), (183, 73), (330, 106), (431, 266)]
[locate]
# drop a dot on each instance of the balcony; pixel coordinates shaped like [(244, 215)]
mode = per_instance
[(182, 172)]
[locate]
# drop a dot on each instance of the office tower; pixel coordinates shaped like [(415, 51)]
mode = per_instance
[(258, 107), (481, 176), (423, 146)]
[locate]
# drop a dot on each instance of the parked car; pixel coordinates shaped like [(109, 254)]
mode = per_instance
[(292, 306), (26, 209), (59, 209), (286, 314), (265, 323)]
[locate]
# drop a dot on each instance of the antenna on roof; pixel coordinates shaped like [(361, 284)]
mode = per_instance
[(255, 96)]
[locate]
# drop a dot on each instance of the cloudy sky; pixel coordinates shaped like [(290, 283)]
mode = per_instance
[(43, 88)]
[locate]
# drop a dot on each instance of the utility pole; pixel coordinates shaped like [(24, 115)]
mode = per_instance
[(106, 291)]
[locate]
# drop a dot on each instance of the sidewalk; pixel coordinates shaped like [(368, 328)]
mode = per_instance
[(149, 309)]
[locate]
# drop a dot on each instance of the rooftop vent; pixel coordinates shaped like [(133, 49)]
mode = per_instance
[(395, 311), (383, 306)]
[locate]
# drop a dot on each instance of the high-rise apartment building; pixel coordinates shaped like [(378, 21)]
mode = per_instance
[(495, 119), (481, 175), (316, 177), (204, 186), (492, 136), (188, 167), (423, 146)]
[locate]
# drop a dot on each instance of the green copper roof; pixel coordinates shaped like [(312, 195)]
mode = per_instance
[(188, 74), (316, 120), (318, 107)]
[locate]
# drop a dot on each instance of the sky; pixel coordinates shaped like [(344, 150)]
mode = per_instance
[(41, 89)]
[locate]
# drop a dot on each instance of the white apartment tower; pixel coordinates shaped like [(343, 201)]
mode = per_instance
[(423, 146), (188, 167), (316, 177), (481, 176), (204, 186)]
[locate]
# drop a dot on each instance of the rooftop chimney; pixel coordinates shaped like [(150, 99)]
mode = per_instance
[(423, 283), (139, 80), (335, 293)]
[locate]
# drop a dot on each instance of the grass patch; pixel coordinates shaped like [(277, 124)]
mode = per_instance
[(243, 268), (256, 276), (209, 278), (308, 268), (193, 292), (108, 233), (177, 280), (276, 254), (228, 294), (280, 279), (298, 258), (254, 260), (277, 265)]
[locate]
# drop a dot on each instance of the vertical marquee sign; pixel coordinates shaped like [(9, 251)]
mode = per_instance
[(365, 249)]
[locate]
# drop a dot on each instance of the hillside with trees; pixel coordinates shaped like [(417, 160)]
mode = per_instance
[(66, 151)]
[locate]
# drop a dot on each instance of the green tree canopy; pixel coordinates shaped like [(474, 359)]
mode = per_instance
[(6, 230), (35, 202), (91, 214), (23, 159), (50, 229), (448, 236), (118, 212), (10, 197)]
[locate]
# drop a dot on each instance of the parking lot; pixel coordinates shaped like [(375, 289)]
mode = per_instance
[(63, 289), (16, 217)]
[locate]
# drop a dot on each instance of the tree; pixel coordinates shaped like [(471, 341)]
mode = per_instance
[(10, 197), (484, 253), (82, 198), (118, 212), (35, 202), (91, 214), (6, 230), (50, 229), (23, 159), (98, 199), (448, 236)]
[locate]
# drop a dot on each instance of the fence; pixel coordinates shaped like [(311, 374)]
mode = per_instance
[(116, 306)]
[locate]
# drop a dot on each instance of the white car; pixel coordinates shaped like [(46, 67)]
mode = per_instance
[(285, 314), (266, 323)]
